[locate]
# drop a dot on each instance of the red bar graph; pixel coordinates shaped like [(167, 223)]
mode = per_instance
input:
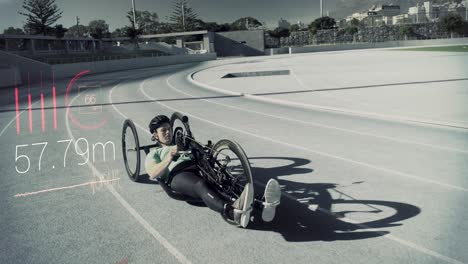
[(55, 106), (30, 112), (42, 112), (17, 111)]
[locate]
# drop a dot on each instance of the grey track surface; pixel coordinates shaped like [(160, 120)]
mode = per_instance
[(356, 189)]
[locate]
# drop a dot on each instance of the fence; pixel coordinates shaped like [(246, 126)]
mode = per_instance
[(363, 33), (93, 57)]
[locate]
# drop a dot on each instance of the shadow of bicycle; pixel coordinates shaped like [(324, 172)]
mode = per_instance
[(307, 212)]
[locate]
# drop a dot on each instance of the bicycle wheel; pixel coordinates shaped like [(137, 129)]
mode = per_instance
[(180, 122), (181, 129), (230, 159), (131, 150)]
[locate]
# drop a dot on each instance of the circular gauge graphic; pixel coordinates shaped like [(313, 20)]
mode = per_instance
[(85, 108)]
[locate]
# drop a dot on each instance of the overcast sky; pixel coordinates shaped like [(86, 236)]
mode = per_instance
[(221, 11)]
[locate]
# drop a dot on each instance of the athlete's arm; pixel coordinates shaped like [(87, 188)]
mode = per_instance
[(155, 169)]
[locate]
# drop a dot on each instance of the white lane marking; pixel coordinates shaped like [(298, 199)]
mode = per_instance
[(161, 239), (384, 234), (321, 153), (391, 237), (450, 121), (63, 188), (333, 109), (431, 122), (13, 120), (332, 127), (179, 256)]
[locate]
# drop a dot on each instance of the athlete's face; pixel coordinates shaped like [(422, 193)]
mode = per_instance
[(164, 134)]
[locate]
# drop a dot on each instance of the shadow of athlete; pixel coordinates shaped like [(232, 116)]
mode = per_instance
[(296, 222), (294, 219)]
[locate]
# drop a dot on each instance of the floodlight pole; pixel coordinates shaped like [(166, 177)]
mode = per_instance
[(321, 8), (183, 15), (134, 15)]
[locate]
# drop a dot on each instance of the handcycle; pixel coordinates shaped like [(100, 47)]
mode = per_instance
[(224, 165)]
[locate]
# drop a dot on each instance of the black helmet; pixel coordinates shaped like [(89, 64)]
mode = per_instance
[(157, 121)]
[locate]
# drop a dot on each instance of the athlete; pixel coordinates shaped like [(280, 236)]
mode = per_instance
[(181, 176)]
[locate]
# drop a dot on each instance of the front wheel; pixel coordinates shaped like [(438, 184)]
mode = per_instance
[(131, 150), (233, 167)]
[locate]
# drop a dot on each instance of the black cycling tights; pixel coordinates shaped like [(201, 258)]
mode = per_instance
[(188, 183)]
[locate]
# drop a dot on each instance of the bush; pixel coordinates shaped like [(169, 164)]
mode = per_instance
[(452, 23)]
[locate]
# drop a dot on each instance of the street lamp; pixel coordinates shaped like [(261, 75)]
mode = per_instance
[(134, 16), (466, 10), (183, 15), (321, 8)]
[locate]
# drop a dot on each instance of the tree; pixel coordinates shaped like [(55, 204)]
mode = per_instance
[(59, 31), (279, 33), (165, 28), (294, 28), (98, 29), (146, 21), (355, 22), (452, 23), (13, 31), (350, 31), (406, 30), (77, 31), (321, 24), (132, 32), (224, 27), (183, 16), (118, 32), (245, 23), (41, 14)]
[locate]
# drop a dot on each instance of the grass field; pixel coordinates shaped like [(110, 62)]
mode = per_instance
[(461, 48)]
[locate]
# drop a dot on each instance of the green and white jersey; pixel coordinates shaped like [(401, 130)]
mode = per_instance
[(159, 154)]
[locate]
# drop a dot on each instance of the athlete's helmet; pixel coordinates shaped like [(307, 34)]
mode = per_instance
[(157, 121)]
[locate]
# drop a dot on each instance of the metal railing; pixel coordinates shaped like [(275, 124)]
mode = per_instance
[(94, 58)]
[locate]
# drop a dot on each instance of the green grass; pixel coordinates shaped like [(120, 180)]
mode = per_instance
[(461, 48)]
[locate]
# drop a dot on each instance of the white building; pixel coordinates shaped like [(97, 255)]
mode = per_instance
[(359, 16), (380, 14), (401, 19), (417, 13), (429, 10), (388, 10), (283, 24), (301, 25)]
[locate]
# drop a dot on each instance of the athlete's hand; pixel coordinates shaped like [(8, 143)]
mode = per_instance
[(173, 152)]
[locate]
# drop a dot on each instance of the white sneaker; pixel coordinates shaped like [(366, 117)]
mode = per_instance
[(272, 199), (243, 206)]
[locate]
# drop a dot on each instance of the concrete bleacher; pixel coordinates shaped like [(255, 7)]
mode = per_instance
[(9, 75), (24, 70)]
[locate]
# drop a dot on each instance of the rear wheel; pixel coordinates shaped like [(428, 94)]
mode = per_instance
[(131, 150), (232, 163)]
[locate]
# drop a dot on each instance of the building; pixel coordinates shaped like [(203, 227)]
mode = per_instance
[(301, 25), (359, 16), (429, 10), (284, 24), (417, 13), (388, 10), (377, 14), (401, 19)]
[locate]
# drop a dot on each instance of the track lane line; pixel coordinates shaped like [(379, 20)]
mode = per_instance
[(391, 171), (390, 237), (160, 238), (262, 98), (333, 127)]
